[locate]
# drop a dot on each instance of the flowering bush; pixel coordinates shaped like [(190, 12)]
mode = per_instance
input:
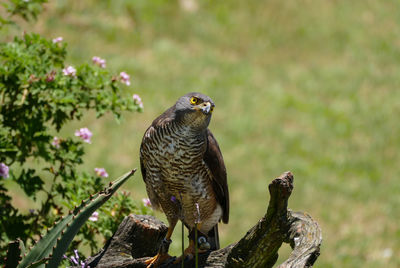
[(39, 94)]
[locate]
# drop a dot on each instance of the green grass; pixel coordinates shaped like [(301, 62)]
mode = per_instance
[(306, 86)]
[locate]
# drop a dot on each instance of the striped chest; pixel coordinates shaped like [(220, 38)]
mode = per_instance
[(173, 158)]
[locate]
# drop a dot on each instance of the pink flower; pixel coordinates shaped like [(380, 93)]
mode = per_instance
[(75, 260), (56, 142), (94, 217), (125, 78), (50, 76), (146, 202), (99, 61), (69, 71), (137, 100), (4, 171), (57, 40), (101, 172), (85, 134)]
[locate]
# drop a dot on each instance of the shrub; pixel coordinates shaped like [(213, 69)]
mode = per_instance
[(39, 94)]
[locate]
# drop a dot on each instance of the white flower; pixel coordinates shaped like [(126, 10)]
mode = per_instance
[(137, 100), (85, 134), (125, 78), (57, 40), (99, 61), (146, 202), (101, 172), (4, 171), (94, 217), (69, 71), (56, 142)]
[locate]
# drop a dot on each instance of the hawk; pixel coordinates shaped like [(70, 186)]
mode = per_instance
[(184, 173)]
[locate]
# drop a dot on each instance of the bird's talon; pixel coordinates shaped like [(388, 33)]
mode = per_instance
[(157, 260)]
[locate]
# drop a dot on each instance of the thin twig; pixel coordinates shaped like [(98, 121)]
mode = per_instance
[(195, 246), (195, 235), (183, 246)]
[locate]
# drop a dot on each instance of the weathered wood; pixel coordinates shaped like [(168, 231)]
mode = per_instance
[(140, 236), (137, 236), (259, 247), (305, 237)]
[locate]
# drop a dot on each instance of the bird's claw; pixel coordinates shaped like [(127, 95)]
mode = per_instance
[(161, 256), (157, 260)]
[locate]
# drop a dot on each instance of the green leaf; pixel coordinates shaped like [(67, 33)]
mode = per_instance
[(30, 182), (16, 250), (57, 240)]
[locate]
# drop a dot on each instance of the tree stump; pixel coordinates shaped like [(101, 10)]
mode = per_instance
[(139, 237)]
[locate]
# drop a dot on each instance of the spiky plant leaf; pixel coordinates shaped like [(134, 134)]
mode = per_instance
[(57, 240), (39, 263), (16, 250)]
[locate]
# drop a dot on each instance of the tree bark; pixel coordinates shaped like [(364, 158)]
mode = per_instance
[(140, 236)]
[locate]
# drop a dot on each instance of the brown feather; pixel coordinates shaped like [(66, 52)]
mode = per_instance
[(160, 121), (164, 118), (215, 162)]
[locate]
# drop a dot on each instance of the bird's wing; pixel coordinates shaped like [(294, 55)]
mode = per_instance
[(148, 136), (215, 162), (164, 118), (149, 187), (160, 121)]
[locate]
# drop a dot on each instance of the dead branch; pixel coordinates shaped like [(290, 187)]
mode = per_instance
[(139, 237)]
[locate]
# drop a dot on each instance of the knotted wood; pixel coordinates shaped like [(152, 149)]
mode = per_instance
[(140, 236)]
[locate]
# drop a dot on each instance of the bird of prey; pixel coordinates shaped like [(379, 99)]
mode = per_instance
[(184, 173)]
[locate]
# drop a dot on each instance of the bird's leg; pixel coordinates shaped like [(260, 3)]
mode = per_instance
[(190, 251), (162, 254)]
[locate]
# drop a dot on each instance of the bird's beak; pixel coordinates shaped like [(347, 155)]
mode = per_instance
[(207, 107)]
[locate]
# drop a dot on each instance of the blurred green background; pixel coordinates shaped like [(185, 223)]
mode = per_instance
[(306, 86)]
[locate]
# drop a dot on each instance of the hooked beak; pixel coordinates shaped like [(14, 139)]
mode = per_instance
[(207, 107)]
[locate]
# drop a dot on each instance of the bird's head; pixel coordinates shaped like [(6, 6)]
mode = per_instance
[(194, 109)]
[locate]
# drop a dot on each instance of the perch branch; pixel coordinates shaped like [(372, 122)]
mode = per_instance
[(140, 236), (305, 238)]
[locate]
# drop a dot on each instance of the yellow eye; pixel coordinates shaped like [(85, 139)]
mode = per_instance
[(194, 100)]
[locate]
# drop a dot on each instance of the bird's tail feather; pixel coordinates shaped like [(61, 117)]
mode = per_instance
[(213, 237)]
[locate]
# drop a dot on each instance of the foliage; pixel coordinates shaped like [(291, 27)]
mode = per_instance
[(306, 86), (39, 94), (111, 213), (25, 9), (52, 246)]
